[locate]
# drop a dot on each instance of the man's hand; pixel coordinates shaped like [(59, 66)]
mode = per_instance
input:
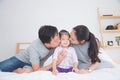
[(35, 67)]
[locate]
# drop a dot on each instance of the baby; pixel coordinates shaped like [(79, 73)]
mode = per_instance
[(70, 62)]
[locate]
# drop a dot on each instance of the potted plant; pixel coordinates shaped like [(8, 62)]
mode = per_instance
[(117, 38)]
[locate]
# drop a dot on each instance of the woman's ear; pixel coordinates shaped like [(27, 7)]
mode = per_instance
[(82, 41)]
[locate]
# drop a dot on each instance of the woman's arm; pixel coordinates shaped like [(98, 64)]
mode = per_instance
[(93, 66), (89, 69)]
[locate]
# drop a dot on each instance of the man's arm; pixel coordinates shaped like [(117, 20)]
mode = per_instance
[(61, 56), (36, 67)]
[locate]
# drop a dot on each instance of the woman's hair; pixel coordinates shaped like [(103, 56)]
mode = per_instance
[(83, 33), (64, 32), (98, 42), (46, 33)]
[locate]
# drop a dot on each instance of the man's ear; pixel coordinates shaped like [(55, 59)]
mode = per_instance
[(47, 45)]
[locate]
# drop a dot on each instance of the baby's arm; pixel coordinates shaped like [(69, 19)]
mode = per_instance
[(54, 61), (75, 67), (75, 60), (55, 71)]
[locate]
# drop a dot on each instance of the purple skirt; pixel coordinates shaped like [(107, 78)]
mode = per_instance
[(63, 70)]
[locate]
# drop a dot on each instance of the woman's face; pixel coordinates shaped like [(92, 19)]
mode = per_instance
[(73, 37)]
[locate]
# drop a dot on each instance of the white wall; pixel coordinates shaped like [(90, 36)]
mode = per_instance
[(21, 19)]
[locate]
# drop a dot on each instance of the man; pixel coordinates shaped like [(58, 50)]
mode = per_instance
[(36, 54)]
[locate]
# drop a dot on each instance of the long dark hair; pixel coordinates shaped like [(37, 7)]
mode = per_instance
[(83, 33)]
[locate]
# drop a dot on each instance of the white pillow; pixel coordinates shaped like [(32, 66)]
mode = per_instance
[(106, 60), (104, 56)]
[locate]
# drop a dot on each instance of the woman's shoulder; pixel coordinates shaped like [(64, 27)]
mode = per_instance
[(80, 45)]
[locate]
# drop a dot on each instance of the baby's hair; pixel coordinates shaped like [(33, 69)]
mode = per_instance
[(64, 32)]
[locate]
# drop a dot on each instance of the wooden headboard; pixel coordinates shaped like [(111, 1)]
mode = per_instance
[(20, 47)]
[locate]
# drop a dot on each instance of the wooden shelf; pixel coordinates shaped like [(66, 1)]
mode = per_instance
[(18, 46), (117, 61), (103, 31), (110, 30), (111, 46), (109, 17)]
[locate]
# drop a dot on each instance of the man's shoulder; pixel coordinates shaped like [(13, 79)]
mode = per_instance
[(38, 45), (36, 41)]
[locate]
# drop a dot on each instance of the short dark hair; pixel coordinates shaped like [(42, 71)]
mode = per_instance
[(63, 32), (46, 33)]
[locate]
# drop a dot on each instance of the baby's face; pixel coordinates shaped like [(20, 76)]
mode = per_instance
[(65, 41)]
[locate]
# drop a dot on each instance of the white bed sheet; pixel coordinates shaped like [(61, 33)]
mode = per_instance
[(101, 74)]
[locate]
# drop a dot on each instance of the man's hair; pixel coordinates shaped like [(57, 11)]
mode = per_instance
[(46, 33)]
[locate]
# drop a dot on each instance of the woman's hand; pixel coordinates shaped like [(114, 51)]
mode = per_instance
[(83, 71), (91, 68)]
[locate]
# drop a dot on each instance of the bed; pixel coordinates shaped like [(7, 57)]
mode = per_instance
[(101, 74), (112, 73)]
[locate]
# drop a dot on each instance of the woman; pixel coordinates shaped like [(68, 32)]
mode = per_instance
[(86, 48)]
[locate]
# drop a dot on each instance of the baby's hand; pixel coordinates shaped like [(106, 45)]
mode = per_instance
[(76, 70), (54, 72)]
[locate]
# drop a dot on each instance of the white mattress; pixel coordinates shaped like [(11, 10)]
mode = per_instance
[(101, 74)]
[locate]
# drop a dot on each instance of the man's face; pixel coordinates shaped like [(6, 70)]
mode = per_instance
[(55, 41)]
